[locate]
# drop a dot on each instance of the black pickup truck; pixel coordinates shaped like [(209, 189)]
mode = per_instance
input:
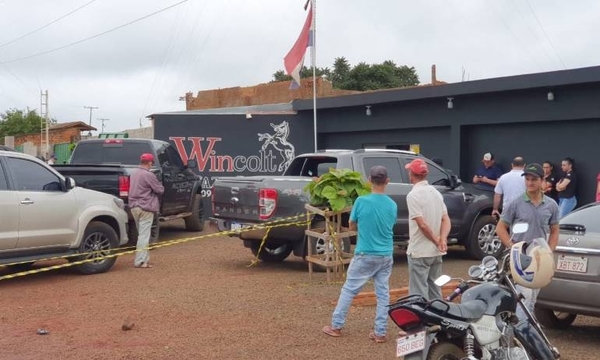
[(248, 200), (105, 165)]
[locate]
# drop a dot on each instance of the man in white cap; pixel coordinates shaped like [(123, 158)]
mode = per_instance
[(488, 173)]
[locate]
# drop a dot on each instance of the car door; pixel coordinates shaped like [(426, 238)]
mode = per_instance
[(397, 188), (9, 220), (177, 180), (48, 214)]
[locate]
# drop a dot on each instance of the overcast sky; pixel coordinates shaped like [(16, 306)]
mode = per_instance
[(145, 67)]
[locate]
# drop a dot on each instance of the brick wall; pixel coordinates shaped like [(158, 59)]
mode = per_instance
[(56, 136), (269, 93)]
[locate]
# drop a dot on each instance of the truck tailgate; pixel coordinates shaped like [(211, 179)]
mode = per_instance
[(103, 178), (238, 197)]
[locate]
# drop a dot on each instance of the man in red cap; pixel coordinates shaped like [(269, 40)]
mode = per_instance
[(429, 226), (144, 193)]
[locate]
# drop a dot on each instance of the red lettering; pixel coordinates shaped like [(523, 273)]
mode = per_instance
[(222, 160), (202, 156), (178, 140)]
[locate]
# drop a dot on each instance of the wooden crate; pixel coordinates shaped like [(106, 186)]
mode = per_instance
[(334, 259), (368, 298)]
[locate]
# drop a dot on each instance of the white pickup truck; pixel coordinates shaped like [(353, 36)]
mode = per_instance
[(43, 215)]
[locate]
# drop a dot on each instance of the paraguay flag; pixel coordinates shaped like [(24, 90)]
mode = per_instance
[(294, 60)]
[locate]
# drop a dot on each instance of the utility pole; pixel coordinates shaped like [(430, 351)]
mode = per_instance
[(91, 109), (45, 125), (102, 121)]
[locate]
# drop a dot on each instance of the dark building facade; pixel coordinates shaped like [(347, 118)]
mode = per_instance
[(543, 116)]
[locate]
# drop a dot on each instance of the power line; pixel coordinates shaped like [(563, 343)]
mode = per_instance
[(93, 36), (545, 34), (45, 26)]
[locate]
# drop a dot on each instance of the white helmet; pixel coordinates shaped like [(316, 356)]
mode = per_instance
[(532, 264)]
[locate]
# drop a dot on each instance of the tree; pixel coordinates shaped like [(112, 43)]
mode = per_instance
[(18, 122), (362, 76)]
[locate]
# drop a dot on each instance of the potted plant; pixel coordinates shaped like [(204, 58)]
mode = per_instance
[(337, 189)]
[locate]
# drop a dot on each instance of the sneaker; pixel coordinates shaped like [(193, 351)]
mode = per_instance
[(376, 338), (331, 331)]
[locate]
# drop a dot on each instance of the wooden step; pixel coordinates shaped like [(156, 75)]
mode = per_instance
[(368, 298)]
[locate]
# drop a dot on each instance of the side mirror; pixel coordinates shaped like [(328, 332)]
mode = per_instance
[(70, 183), (192, 164), (442, 280), (520, 228)]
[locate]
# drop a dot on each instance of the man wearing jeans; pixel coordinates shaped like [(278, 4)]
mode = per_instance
[(429, 226), (144, 192), (374, 216)]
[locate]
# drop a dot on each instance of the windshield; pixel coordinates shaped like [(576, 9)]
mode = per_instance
[(115, 152), (587, 216)]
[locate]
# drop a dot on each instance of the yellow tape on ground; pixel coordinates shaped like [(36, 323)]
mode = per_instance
[(283, 222)]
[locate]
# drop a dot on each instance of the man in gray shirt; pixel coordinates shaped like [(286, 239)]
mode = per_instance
[(537, 210), (144, 192)]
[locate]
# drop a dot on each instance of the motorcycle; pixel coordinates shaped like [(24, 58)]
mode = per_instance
[(484, 326)]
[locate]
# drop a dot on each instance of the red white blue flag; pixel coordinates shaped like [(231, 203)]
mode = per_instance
[(294, 60)]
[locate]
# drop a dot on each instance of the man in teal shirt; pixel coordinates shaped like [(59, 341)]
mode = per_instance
[(374, 216)]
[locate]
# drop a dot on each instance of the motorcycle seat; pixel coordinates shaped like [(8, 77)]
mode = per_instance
[(467, 311)]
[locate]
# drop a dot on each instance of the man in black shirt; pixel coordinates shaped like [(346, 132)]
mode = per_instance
[(567, 187)]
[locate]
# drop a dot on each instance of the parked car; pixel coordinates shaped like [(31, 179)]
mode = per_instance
[(575, 288), (106, 164), (249, 200), (45, 215)]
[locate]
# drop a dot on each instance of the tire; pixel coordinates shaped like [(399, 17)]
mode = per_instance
[(195, 222), (554, 319), (318, 247), (483, 240), (273, 253), (445, 351), (101, 239)]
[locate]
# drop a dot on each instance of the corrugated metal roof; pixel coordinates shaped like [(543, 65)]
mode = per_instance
[(269, 109)]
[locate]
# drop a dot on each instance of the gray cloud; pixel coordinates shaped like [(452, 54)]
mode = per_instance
[(145, 67)]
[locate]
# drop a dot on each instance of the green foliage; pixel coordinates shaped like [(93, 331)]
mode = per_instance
[(362, 76), (17, 122), (72, 147), (337, 189)]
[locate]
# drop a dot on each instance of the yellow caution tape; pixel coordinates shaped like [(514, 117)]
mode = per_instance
[(282, 222)]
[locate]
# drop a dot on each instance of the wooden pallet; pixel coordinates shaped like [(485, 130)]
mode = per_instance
[(368, 298), (334, 259)]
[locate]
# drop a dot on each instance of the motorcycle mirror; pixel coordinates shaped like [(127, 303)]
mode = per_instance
[(442, 280), (520, 228)]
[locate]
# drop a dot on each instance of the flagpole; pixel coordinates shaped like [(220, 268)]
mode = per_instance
[(313, 52)]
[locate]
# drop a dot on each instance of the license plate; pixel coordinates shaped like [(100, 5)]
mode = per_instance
[(576, 264), (410, 344), (236, 226)]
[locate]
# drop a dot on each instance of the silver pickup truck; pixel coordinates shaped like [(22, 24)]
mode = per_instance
[(250, 200)]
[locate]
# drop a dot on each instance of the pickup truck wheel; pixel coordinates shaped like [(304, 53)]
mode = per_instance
[(195, 222), (554, 319), (318, 247), (98, 241), (483, 240), (272, 252)]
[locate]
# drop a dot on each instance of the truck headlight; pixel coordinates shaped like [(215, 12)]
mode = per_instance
[(120, 203)]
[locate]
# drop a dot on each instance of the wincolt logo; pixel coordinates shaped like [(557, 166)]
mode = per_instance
[(203, 150)]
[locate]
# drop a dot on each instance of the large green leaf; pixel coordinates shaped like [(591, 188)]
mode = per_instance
[(337, 204), (330, 192)]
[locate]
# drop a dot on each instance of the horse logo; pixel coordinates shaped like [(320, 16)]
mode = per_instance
[(279, 141)]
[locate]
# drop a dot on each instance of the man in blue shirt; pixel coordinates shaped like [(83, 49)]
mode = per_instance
[(487, 174), (374, 216)]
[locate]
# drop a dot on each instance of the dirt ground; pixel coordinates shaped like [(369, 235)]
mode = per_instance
[(203, 301)]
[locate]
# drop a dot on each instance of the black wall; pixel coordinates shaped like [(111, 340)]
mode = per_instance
[(237, 148), (508, 124)]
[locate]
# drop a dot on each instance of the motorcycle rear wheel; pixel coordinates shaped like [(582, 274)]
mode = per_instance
[(445, 351)]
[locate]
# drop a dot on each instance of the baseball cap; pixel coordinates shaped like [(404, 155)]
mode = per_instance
[(378, 172), (417, 166), (488, 156), (147, 157), (534, 169)]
